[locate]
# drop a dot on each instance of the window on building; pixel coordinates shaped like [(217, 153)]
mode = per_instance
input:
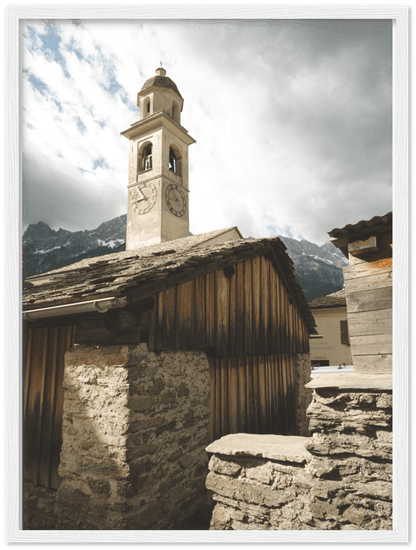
[(148, 106), (344, 333), (147, 157)]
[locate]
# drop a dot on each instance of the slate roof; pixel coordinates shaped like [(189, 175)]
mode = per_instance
[(150, 269), (336, 299), (353, 229), (160, 82)]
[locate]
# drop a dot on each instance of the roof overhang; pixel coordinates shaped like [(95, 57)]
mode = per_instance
[(361, 231)]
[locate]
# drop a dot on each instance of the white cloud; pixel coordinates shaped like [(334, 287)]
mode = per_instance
[(292, 122)]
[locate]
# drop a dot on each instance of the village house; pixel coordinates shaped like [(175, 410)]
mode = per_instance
[(136, 361), (331, 347)]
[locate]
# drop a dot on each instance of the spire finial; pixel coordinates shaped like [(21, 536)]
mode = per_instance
[(160, 71)]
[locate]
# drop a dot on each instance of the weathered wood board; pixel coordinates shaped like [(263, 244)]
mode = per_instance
[(372, 344), (246, 312), (363, 246), (252, 395), (364, 269), (370, 322), (43, 405), (370, 300), (373, 363)]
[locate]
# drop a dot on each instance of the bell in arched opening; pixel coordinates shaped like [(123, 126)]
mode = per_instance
[(147, 157), (173, 165)]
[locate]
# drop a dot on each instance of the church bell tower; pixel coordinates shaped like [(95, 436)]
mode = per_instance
[(158, 201)]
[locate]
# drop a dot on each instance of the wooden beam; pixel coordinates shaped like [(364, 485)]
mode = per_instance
[(370, 322), (370, 299), (363, 247), (372, 344)]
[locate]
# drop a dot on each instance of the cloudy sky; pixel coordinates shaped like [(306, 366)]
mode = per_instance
[(292, 120)]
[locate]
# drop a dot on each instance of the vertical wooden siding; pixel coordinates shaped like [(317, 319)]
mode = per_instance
[(252, 395), (246, 314), (43, 402)]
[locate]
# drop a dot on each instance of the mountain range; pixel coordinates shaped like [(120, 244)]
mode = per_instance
[(318, 268)]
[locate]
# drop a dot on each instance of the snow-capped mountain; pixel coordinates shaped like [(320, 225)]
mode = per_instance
[(328, 253), (318, 268), (46, 249)]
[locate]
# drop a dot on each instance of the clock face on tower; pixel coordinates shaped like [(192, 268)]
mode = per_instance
[(175, 199), (143, 198)]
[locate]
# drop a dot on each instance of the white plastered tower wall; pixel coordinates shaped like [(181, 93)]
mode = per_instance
[(158, 186)]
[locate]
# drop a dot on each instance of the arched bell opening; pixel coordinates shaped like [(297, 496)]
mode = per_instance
[(175, 161), (144, 158)]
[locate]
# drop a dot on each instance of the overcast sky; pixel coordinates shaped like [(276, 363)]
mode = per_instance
[(292, 120)]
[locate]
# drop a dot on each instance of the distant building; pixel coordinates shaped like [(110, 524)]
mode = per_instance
[(330, 313)]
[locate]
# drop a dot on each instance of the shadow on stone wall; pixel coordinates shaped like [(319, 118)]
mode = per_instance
[(135, 428)]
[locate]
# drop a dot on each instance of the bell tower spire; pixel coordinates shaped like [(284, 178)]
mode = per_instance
[(158, 189)]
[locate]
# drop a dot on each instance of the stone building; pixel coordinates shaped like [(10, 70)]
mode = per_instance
[(135, 361)]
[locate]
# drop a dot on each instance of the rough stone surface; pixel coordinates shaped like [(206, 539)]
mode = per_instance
[(342, 482), (303, 369), (135, 426)]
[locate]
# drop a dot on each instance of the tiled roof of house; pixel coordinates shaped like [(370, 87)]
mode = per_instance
[(336, 299), (156, 267)]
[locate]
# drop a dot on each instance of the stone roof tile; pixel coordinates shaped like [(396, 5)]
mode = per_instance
[(169, 263)]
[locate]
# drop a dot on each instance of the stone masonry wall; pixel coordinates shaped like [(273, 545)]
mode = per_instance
[(339, 479), (135, 426), (303, 368)]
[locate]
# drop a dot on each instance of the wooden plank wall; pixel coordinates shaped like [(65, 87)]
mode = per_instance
[(252, 395), (43, 402), (368, 290), (243, 313)]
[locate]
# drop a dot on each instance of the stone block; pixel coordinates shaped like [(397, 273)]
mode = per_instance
[(263, 473), (140, 403), (99, 486), (322, 509), (183, 390), (221, 519), (245, 491), (354, 515), (157, 387), (169, 426), (225, 467)]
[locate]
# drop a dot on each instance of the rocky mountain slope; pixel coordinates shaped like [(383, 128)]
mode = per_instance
[(318, 268), (46, 249)]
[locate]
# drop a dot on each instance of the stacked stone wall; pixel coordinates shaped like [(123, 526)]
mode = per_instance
[(135, 426), (340, 479), (303, 369)]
